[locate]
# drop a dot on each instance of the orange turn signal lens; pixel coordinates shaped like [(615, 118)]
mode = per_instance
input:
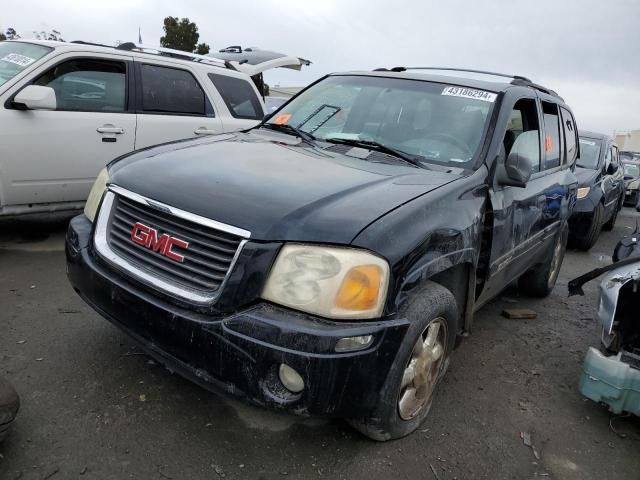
[(360, 289)]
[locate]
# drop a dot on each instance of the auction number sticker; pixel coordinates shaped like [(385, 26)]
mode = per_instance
[(18, 59), (470, 93)]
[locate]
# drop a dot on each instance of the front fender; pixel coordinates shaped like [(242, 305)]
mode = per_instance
[(609, 293)]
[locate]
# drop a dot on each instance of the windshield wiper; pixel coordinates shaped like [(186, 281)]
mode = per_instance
[(290, 129), (379, 147)]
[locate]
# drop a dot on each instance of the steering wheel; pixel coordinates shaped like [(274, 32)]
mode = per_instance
[(450, 139)]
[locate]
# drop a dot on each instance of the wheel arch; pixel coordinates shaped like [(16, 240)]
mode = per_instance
[(455, 271)]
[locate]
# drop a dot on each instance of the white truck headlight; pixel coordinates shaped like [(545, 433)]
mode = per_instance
[(95, 196), (635, 185), (333, 282)]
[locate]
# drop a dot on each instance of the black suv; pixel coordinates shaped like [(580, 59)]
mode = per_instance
[(600, 191), (326, 261)]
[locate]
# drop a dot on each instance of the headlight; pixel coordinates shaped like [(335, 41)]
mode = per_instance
[(93, 202), (583, 192), (635, 185), (329, 281)]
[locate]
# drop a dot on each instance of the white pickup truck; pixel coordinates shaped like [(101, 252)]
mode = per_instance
[(67, 109)]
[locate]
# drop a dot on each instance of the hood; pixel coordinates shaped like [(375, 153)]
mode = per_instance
[(271, 185), (586, 176)]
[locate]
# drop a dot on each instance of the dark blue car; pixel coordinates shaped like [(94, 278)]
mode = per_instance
[(600, 191)]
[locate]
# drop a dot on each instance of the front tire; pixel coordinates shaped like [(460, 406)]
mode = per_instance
[(607, 227), (419, 366), (540, 280), (590, 238)]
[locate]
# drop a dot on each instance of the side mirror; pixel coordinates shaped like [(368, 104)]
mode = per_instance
[(611, 169), (35, 97), (517, 168)]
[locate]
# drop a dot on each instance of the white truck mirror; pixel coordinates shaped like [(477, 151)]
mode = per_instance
[(35, 97)]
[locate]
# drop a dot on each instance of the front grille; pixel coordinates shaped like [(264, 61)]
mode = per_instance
[(207, 259)]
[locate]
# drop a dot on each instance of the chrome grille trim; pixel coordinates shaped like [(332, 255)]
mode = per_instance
[(103, 247)]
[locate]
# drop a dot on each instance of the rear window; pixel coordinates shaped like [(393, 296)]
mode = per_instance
[(172, 91), (239, 96), (17, 56)]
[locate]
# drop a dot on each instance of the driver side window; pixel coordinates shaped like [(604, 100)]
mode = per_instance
[(88, 85), (524, 118)]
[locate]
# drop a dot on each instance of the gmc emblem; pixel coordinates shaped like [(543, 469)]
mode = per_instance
[(163, 244)]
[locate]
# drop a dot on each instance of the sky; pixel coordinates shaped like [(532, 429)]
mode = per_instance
[(586, 50)]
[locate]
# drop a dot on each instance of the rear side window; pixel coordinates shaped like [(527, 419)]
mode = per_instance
[(614, 155), (570, 136), (172, 91), (239, 96), (524, 118), (88, 85), (552, 135)]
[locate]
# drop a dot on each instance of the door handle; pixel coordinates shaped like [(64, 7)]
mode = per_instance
[(110, 129), (204, 131)]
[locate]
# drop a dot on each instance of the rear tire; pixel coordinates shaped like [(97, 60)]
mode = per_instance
[(9, 406), (590, 238), (421, 362), (540, 280)]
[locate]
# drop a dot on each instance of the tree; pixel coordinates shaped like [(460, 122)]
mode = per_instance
[(202, 49), (180, 34), (54, 35), (2, 37), (12, 34)]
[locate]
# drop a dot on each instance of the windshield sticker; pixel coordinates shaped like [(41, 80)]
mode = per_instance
[(470, 93), (18, 59), (587, 142)]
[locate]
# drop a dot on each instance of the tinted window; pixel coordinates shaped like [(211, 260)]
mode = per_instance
[(239, 96), (552, 135), (171, 90), (607, 158), (570, 136), (589, 153), (524, 118), (88, 85)]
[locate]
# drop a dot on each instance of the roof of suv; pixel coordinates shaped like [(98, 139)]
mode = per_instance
[(244, 61), (498, 83)]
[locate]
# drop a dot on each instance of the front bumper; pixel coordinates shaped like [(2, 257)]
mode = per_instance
[(582, 217), (240, 351)]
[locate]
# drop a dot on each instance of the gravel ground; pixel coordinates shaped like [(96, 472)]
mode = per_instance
[(93, 407)]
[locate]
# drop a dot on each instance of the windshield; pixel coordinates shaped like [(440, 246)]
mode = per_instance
[(431, 121), (16, 56), (589, 153), (631, 170)]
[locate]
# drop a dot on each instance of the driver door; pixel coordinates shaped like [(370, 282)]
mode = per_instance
[(518, 211), (54, 156)]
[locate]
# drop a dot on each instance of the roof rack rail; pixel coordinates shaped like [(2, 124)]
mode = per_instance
[(167, 52), (538, 87), (451, 69), (82, 42), (515, 79), (170, 52)]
